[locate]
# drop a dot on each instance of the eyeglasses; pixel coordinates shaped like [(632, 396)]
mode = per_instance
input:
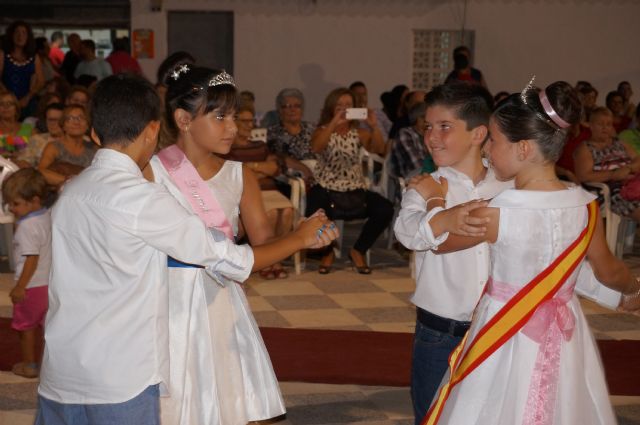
[(75, 118), (7, 104), (291, 106)]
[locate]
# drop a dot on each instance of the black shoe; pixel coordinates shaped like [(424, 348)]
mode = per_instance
[(360, 269)]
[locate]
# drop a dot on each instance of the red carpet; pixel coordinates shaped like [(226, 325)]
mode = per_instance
[(367, 358)]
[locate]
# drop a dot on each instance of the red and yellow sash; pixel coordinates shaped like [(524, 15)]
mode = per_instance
[(513, 315)]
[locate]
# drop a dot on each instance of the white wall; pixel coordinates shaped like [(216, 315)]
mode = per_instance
[(318, 45)]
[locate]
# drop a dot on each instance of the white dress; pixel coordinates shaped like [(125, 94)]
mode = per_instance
[(535, 227), (220, 370)]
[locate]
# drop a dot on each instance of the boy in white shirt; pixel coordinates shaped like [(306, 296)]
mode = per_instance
[(106, 353), (25, 191), (448, 286)]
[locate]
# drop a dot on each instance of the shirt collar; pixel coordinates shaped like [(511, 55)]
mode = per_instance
[(452, 174), (112, 159)]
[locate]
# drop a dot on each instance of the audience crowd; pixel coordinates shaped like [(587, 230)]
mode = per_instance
[(45, 93)]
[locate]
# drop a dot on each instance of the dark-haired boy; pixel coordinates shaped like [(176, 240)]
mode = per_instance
[(449, 285), (106, 352)]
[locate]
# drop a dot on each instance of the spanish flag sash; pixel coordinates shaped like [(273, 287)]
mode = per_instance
[(513, 315)]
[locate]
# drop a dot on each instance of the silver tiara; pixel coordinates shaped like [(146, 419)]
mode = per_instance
[(222, 78), (523, 94), (179, 70)]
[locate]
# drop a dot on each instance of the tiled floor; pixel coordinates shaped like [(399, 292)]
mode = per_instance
[(342, 299)]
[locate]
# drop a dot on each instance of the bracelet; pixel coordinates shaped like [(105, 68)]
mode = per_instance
[(435, 198), (636, 292)]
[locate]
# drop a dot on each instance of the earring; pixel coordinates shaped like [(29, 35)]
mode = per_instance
[(186, 128)]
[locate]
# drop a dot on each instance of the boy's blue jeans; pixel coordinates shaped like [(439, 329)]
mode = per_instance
[(144, 409), (431, 351)]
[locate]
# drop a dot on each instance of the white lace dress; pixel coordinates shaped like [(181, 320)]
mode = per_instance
[(221, 373), (535, 227)]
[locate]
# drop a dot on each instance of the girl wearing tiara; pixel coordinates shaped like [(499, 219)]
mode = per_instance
[(529, 357), (221, 373)]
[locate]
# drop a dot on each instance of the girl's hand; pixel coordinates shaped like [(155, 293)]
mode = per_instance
[(428, 188), (317, 231), (17, 294)]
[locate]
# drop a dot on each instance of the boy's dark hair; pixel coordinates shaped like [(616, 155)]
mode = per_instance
[(471, 103), (529, 121), (26, 183), (122, 106)]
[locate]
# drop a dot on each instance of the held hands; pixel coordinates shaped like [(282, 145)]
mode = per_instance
[(458, 221), (317, 231), (17, 294), (428, 188)]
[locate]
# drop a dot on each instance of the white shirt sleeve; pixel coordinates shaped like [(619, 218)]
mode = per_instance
[(412, 225), (169, 227)]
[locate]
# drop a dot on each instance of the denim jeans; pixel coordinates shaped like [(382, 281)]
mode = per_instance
[(144, 409), (431, 350)]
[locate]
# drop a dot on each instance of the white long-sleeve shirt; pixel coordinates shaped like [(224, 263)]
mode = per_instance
[(450, 284), (107, 322)]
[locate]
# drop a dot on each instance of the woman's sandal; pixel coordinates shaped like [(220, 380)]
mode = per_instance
[(267, 273), (325, 268), (25, 370), (363, 269)]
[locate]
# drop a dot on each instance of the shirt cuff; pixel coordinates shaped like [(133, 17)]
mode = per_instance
[(427, 233)]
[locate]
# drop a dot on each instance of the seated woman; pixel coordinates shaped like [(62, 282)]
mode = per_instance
[(266, 166), (341, 189), (615, 103), (14, 135), (291, 137), (30, 157), (604, 158), (72, 153)]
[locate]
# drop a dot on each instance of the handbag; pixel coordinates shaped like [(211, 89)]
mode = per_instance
[(631, 189), (347, 205)]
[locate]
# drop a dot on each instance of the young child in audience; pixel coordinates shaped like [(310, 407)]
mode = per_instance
[(25, 191), (529, 356), (220, 370), (107, 350), (457, 117)]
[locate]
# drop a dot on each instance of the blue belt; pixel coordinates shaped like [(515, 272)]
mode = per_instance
[(172, 262)]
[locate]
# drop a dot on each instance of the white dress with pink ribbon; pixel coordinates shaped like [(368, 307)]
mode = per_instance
[(549, 372), (220, 370)]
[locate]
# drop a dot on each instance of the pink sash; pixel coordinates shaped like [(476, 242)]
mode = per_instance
[(191, 185)]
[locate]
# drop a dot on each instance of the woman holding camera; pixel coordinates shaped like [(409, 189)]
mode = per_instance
[(341, 189)]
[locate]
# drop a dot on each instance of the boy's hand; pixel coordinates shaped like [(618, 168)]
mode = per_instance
[(317, 231), (457, 221), (17, 294), (428, 188)]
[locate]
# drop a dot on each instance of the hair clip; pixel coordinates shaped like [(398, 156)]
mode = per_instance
[(523, 94), (179, 70), (222, 78)]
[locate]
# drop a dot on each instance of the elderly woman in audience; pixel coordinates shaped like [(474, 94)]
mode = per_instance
[(267, 167), (14, 135), (30, 156), (20, 67), (615, 103), (73, 152), (604, 158), (291, 137), (341, 190)]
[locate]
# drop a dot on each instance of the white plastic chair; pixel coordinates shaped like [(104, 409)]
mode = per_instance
[(6, 218), (619, 230)]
